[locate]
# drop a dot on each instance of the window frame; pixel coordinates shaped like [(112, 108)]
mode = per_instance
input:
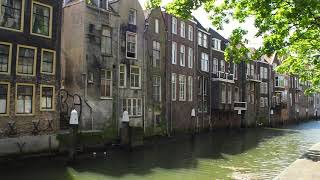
[(182, 77), (156, 47), (182, 55), (106, 37), (34, 59), (53, 97), (106, 79), (204, 62), (140, 74), (174, 53), (174, 25), (190, 57), (125, 75), (21, 21), (33, 99), (130, 112), (190, 32), (156, 83), (183, 30), (135, 16), (136, 44), (53, 61), (50, 20), (8, 98), (173, 82), (9, 57)]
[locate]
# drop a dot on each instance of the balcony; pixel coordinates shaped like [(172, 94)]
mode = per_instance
[(254, 77), (223, 76), (240, 106)]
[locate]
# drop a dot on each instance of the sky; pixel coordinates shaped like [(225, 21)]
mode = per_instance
[(227, 29)]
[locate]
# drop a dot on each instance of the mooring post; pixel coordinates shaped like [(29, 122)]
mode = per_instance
[(74, 122)]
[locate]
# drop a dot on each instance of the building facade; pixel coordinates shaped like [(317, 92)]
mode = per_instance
[(29, 66)]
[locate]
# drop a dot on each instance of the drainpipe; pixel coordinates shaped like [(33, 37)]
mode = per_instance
[(269, 95), (118, 78), (144, 82)]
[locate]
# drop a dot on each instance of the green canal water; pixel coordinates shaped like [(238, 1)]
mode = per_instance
[(249, 154)]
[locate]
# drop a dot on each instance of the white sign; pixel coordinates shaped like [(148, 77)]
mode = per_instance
[(125, 116), (74, 117)]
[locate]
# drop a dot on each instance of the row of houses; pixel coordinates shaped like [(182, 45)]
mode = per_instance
[(106, 56)]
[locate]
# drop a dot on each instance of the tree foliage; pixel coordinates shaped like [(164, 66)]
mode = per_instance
[(290, 28)]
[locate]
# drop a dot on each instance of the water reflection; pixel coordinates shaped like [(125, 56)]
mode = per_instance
[(252, 154)]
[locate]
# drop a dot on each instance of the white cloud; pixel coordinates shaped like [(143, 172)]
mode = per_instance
[(226, 32)]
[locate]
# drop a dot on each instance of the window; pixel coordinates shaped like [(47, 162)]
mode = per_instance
[(106, 83), (229, 94), (47, 95), (135, 77), (236, 94), (133, 105), (132, 16), (205, 106), (156, 54), (222, 66), (190, 58), (266, 103), (262, 102), (183, 29), (122, 76), (252, 70), (199, 38), (106, 41), (216, 43), (156, 26), (173, 86), (215, 66), (235, 71), (131, 45), (4, 98), (156, 88), (200, 85), (41, 19), (190, 33), (24, 98), (264, 88), (174, 25), (12, 14), (48, 59), (5, 57), (205, 40), (26, 64), (204, 62), (174, 53), (223, 93), (182, 88), (279, 81), (182, 55), (265, 73), (190, 87)]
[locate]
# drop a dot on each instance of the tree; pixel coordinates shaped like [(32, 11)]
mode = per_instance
[(290, 28)]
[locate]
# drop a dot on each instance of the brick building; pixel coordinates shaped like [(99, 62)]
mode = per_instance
[(29, 66), (181, 68)]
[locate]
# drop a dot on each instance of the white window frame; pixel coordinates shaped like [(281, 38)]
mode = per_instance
[(174, 25), (216, 44), (200, 38), (136, 44), (133, 74), (215, 66), (137, 104), (182, 29), (106, 79), (174, 53), (205, 62), (222, 66), (7, 99), (262, 102), (156, 83), (182, 56), (229, 95), (182, 87), (190, 33), (125, 75), (173, 87), (205, 40), (190, 57)]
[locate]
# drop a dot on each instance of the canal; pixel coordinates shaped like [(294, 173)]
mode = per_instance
[(249, 154)]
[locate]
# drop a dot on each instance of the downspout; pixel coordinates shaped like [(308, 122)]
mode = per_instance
[(269, 94), (118, 78), (210, 74), (144, 82)]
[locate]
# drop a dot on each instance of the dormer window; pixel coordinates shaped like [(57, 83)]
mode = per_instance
[(133, 16), (216, 44)]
